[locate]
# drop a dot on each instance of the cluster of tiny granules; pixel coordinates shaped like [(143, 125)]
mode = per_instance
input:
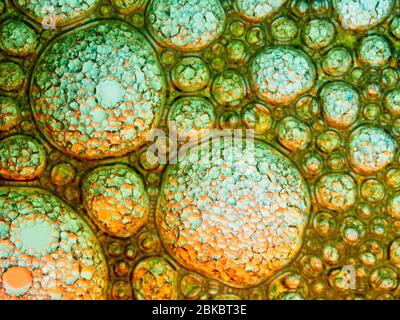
[(191, 116), (47, 251), (155, 279), (115, 198), (21, 158), (234, 224), (359, 15), (293, 134), (229, 88), (231, 218), (64, 11), (281, 74), (256, 10), (190, 74), (337, 61), (374, 50), (186, 24), (336, 191), (370, 149), (318, 33), (97, 92), (340, 104), (17, 38)]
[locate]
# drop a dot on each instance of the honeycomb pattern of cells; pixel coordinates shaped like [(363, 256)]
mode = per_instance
[(361, 15), (340, 104), (154, 279), (256, 10), (318, 33), (17, 38), (370, 149), (336, 191), (337, 62), (10, 113), (105, 98), (281, 74), (47, 250), (187, 25), (191, 117), (21, 158), (87, 88), (229, 87), (204, 200), (190, 74), (374, 50), (283, 29), (293, 134), (63, 12), (115, 198)]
